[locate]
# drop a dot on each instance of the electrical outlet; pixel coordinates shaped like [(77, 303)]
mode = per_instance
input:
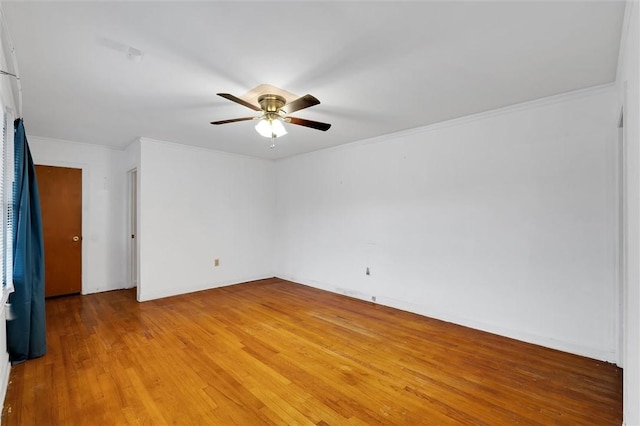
[(216, 262), (368, 272), (373, 299)]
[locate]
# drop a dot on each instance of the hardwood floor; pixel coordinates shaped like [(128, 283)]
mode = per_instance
[(274, 352)]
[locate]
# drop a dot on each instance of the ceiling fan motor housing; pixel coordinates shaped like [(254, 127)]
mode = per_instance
[(271, 103)]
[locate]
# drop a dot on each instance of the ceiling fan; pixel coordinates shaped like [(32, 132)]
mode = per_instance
[(275, 111)]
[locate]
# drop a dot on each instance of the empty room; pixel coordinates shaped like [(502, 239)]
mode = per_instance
[(320, 212)]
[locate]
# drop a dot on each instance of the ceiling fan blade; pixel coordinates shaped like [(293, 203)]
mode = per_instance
[(309, 123), (233, 120), (305, 101), (239, 101)]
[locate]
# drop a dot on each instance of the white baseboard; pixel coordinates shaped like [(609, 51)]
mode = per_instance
[(5, 370), (443, 315), (5, 365)]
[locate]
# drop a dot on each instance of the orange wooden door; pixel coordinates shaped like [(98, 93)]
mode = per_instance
[(61, 203)]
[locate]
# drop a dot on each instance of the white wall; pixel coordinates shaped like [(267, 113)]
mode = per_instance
[(502, 221), (197, 205), (628, 84), (103, 207)]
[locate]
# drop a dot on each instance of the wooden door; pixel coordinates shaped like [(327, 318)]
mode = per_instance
[(61, 203)]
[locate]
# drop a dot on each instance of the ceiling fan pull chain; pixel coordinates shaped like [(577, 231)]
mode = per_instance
[(273, 141)]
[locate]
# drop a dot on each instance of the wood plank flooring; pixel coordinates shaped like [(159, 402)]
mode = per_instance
[(275, 352)]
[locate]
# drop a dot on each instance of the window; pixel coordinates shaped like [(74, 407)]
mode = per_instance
[(6, 200)]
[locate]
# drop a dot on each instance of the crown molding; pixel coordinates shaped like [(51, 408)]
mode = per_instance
[(460, 121), (201, 149)]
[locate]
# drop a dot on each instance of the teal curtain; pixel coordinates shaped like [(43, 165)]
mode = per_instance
[(26, 334)]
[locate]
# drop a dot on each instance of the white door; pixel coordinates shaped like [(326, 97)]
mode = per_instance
[(133, 226)]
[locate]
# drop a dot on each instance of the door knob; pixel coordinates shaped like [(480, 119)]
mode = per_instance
[(76, 238)]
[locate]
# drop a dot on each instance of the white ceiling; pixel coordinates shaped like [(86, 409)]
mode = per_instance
[(377, 67)]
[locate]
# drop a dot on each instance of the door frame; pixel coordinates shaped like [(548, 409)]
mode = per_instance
[(133, 222), (85, 209), (620, 250)]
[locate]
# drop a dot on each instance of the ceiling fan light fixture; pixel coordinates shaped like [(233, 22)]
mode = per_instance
[(271, 128), (275, 112)]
